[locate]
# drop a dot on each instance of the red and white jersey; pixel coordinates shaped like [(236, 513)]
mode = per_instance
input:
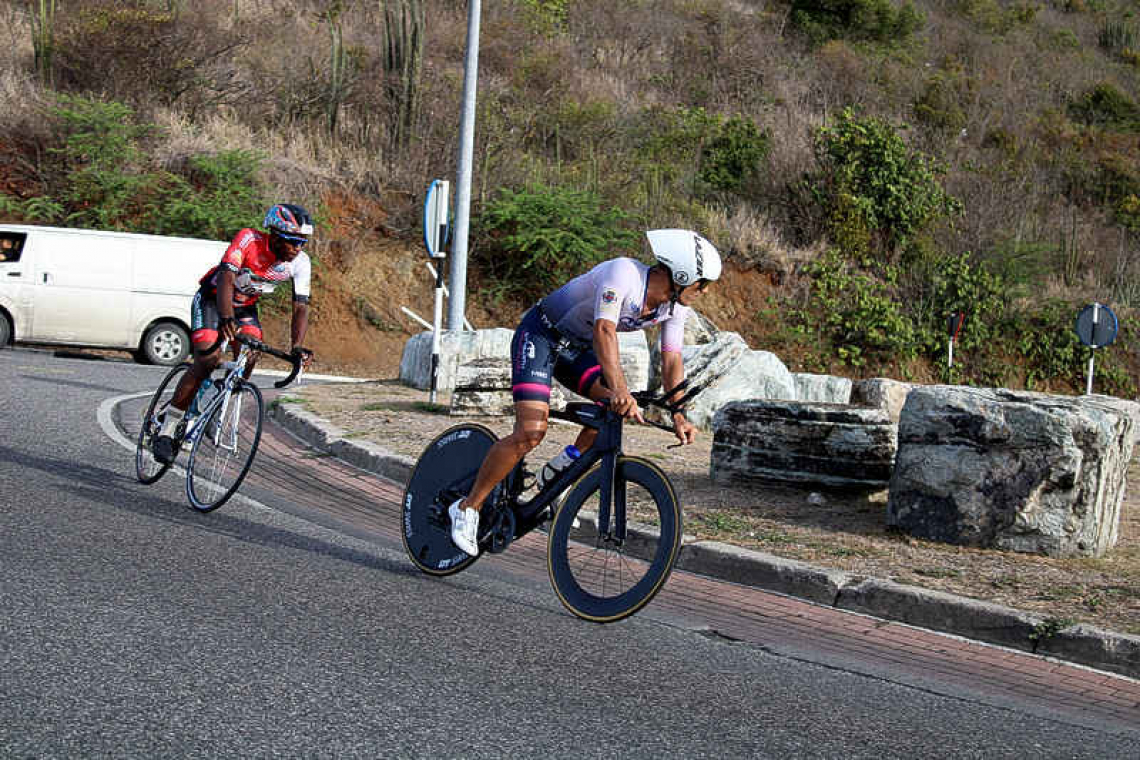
[(256, 270)]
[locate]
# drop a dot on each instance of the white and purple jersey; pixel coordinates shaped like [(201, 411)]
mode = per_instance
[(613, 290)]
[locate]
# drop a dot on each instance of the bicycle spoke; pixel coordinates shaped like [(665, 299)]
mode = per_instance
[(224, 449), (596, 576), (147, 468)]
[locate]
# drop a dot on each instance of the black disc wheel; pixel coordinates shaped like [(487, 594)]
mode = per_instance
[(147, 468), (224, 444), (601, 576), (444, 473)]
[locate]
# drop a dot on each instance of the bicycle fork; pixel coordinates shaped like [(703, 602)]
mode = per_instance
[(611, 506), (225, 436)]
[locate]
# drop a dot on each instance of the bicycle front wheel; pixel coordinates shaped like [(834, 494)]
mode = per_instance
[(147, 468), (224, 445), (600, 577)]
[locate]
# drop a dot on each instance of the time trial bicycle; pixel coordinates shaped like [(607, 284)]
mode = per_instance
[(222, 428), (613, 540)]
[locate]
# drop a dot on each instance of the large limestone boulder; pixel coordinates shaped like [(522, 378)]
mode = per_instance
[(881, 393), (824, 389), (808, 445), (456, 347), (634, 359), (734, 373), (1012, 470)]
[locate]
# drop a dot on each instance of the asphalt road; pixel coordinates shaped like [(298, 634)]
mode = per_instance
[(133, 627)]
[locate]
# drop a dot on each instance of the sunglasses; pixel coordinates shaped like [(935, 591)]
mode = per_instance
[(293, 240)]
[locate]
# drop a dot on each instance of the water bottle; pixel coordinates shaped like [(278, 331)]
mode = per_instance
[(202, 399), (556, 465)]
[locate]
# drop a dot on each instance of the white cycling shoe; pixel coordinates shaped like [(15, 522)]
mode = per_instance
[(464, 528)]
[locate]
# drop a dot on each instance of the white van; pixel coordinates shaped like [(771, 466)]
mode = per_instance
[(101, 289)]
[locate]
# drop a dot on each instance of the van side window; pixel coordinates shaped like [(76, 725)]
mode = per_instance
[(11, 244)]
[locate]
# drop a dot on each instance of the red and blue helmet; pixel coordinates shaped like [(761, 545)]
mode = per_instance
[(290, 221)]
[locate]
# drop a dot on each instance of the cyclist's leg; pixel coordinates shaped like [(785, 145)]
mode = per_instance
[(248, 324), (529, 430), (582, 371), (203, 335), (533, 350)]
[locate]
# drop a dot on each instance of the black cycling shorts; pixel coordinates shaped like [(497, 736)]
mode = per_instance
[(204, 320), (540, 353)]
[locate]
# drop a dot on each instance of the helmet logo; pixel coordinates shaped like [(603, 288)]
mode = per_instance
[(700, 256), (681, 276)]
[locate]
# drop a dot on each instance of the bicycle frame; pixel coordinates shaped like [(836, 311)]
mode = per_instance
[(527, 515), (234, 374), (606, 449)]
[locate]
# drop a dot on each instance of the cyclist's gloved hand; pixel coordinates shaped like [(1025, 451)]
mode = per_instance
[(227, 328), (306, 356)]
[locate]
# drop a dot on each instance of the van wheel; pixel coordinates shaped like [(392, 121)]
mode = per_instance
[(5, 331), (166, 343)]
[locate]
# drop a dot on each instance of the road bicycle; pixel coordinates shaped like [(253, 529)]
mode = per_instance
[(222, 428), (614, 537)]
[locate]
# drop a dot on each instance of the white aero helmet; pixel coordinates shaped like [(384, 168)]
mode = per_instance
[(689, 256)]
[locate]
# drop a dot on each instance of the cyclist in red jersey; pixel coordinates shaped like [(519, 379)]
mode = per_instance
[(226, 304)]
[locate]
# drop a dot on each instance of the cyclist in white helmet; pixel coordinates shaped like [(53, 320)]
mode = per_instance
[(571, 335)]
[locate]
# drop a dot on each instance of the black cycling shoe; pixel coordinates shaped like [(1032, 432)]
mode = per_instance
[(164, 449)]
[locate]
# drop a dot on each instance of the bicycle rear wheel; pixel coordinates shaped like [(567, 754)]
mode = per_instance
[(597, 577), (147, 468), (224, 446), (444, 472)]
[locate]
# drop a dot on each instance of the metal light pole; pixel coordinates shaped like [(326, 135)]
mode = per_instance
[(458, 273)]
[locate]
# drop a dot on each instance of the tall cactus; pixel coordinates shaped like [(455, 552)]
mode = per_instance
[(403, 62), (338, 58), (42, 14)]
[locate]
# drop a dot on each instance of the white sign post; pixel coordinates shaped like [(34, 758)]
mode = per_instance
[(1096, 327), (953, 327), (436, 227)]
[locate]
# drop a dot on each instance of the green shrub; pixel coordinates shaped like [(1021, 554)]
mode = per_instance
[(871, 20), (733, 154), (1106, 106), (856, 313), (545, 16), (998, 17), (691, 153), (1048, 344), (106, 182), (940, 106), (534, 240), (872, 188), (957, 284), (219, 195)]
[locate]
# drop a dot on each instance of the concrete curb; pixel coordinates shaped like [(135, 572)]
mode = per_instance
[(912, 605)]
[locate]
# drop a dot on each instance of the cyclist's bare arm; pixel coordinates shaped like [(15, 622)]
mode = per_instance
[(609, 356), (673, 372), (300, 326), (227, 327)]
